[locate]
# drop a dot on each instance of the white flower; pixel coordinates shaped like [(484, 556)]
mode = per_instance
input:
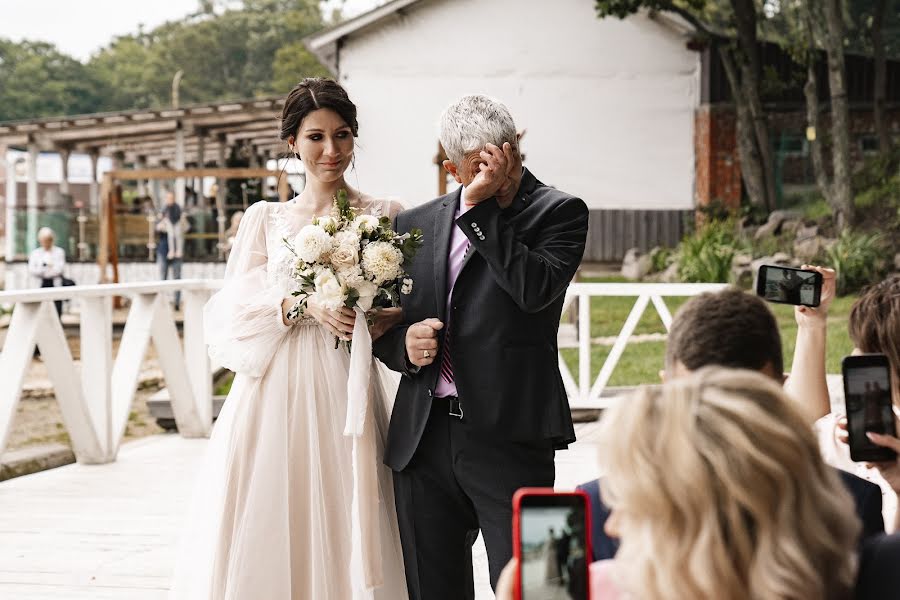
[(345, 253), (364, 223), (367, 292), (382, 261), (406, 288), (329, 291), (311, 243), (328, 224)]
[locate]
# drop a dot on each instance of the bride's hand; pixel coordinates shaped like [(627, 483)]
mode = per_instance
[(338, 322), (383, 319)]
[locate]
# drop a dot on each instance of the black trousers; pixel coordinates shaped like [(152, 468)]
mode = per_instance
[(460, 481), (45, 283)]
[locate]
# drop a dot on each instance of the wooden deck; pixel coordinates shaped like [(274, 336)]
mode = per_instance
[(108, 532)]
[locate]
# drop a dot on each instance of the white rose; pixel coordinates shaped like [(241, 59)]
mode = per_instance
[(345, 256), (406, 288), (364, 223), (367, 292), (326, 223), (311, 243), (382, 261), (329, 291)]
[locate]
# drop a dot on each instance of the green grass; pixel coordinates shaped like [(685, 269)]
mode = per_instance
[(642, 361)]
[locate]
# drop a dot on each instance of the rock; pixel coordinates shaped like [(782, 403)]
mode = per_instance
[(805, 233), (806, 249), (635, 266), (774, 223), (742, 276), (741, 260), (670, 275), (791, 226), (781, 258)]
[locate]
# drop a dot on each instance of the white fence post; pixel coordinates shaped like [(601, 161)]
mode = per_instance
[(96, 399)]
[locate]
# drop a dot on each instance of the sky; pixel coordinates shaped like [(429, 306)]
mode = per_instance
[(81, 27)]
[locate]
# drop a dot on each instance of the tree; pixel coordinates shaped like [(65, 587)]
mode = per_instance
[(880, 83), (36, 79), (741, 61)]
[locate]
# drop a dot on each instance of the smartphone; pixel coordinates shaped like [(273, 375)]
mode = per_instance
[(789, 286), (867, 394), (552, 542)]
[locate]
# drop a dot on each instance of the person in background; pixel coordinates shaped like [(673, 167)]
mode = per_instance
[(231, 232), (47, 262), (170, 242)]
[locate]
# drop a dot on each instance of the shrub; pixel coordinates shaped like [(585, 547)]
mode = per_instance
[(858, 259), (706, 255)]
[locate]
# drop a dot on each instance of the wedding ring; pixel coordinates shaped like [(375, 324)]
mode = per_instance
[(426, 354)]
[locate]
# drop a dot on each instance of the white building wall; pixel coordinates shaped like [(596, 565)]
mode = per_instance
[(608, 105)]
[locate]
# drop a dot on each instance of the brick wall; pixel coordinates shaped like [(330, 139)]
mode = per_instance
[(718, 172)]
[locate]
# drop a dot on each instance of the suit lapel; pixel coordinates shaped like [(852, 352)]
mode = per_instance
[(443, 227)]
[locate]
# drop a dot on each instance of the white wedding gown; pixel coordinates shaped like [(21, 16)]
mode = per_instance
[(273, 517)]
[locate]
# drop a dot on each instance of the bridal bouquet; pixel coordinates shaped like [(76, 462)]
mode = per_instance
[(350, 259)]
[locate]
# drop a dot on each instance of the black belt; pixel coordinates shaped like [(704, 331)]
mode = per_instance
[(454, 406)]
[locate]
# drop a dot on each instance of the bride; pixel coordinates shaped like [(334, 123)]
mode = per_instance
[(275, 515)]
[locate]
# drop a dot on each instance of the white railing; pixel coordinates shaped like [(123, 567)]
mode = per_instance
[(587, 394), (96, 399)]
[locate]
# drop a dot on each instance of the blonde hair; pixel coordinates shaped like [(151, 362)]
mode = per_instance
[(720, 493)]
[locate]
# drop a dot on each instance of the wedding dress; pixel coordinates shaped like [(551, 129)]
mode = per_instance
[(274, 517)]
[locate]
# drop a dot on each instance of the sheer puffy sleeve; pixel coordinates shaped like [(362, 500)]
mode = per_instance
[(242, 321)]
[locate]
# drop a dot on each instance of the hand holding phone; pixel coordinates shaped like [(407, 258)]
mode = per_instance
[(551, 542), (787, 285), (868, 399)]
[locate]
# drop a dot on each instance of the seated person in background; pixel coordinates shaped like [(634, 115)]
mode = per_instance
[(734, 329), (47, 262), (705, 510)]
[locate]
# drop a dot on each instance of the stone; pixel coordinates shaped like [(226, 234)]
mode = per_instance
[(774, 223), (670, 275), (741, 260), (805, 233), (781, 258), (635, 265), (806, 249), (791, 226), (742, 276)]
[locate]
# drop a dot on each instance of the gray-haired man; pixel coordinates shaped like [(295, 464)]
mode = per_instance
[(481, 408)]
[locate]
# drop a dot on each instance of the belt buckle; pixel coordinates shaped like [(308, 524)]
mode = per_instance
[(456, 404)]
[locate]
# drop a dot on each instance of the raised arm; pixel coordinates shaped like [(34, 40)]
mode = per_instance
[(806, 382)]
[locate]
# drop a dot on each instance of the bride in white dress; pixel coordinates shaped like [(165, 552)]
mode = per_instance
[(274, 516)]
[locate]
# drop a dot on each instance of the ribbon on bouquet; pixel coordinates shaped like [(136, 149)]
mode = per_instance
[(365, 558), (360, 376)]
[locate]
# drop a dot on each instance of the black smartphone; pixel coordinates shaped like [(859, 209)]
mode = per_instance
[(787, 285), (552, 540), (867, 394)]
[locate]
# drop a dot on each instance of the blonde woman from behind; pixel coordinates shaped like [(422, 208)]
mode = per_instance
[(718, 492)]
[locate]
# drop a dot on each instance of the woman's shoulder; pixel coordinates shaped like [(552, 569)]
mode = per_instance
[(382, 207)]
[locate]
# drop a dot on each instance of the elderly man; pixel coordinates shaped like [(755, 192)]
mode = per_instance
[(47, 261), (481, 406)]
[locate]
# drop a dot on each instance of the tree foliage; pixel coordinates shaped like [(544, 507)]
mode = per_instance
[(225, 52)]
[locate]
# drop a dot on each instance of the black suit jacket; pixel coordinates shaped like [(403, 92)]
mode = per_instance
[(505, 314), (866, 499), (879, 577)]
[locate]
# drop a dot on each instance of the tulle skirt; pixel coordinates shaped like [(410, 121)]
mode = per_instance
[(271, 517)]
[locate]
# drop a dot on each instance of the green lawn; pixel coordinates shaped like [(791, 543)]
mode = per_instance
[(642, 361)]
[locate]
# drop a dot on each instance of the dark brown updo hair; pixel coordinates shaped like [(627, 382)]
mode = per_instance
[(312, 94)]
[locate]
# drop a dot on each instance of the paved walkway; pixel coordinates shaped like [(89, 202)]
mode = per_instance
[(108, 532)]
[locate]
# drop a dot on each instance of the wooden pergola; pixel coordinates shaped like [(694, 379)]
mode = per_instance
[(144, 145)]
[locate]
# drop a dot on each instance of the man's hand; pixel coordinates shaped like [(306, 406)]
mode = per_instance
[(421, 342), (507, 192), (491, 176), (807, 316)]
